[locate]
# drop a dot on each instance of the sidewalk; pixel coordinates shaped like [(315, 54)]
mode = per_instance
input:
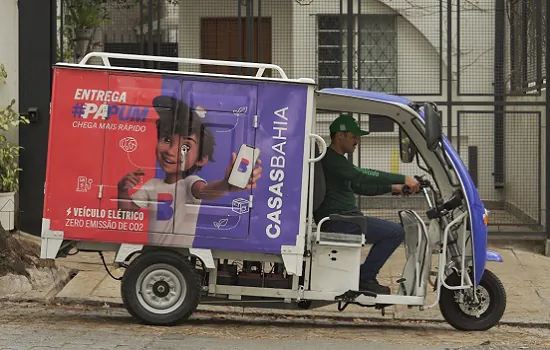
[(523, 273)]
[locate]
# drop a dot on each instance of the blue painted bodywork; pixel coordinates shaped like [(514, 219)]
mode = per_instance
[(476, 208), (493, 256)]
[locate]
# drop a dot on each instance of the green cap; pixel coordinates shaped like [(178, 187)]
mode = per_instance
[(346, 122)]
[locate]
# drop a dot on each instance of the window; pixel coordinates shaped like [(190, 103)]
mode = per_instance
[(331, 52), (378, 51), (374, 58), (375, 53)]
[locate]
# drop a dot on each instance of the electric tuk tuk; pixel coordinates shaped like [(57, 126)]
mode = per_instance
[(205, 184)]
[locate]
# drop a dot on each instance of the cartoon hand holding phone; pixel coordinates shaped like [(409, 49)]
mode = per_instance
[(241, 174)]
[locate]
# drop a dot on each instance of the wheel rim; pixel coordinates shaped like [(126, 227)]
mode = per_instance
[(472, 308), (161, 288)]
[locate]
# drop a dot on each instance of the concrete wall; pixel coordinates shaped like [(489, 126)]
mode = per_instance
[(9, 57), (417, 42)]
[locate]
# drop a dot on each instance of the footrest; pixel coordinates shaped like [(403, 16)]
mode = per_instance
[(351, 295)]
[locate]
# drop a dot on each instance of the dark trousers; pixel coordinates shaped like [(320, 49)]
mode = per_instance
[(385, 236)]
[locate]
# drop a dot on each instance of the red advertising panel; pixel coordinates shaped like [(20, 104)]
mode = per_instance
[(98, 133)]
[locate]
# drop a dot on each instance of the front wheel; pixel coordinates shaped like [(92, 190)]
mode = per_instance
[(160, 288), (466, 314)]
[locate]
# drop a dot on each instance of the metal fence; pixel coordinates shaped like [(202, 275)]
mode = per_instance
[(484, 62)]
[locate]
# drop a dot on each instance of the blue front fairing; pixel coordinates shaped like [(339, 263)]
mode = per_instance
[(477, 211), (476, 207)]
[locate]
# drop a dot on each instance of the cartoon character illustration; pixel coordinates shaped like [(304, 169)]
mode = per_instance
[(184, 146)]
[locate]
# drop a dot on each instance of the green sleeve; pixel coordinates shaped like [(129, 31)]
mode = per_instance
[(387, 179), (345, 170), (368, 190)]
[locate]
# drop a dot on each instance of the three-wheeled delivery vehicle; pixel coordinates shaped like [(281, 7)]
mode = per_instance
[(205, 186)]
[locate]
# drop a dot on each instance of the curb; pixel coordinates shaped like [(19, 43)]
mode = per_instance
[(41, 296)]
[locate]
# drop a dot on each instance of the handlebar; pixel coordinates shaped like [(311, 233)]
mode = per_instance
[(423, 184), (436, 209)]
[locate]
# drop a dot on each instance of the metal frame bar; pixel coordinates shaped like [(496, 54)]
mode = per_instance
[(547, 134), (538, 45), (239, 33), (150, 36), (449, 101), (259, 32), (458, 41), (249, 44), (524, 42), (442, 262), (499, 94), (350, 31), (440, 47), (422, 231), (492, 103), (62, 31), (105, 56), (141, 37), (160, 8), (297, 293)]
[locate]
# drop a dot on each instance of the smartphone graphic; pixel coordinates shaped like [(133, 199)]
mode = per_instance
[(244, 164)]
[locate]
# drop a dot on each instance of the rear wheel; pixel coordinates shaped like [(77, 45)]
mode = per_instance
[(160, 288), (466, 314)]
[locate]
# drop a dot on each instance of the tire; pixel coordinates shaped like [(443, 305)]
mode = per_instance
[(492, 313), (304, 304), (162, 271)]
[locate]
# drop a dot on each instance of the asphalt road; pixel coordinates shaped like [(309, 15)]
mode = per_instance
[(38, 327)]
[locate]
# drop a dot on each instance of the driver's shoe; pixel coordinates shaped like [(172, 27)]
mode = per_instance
[(374, 286)]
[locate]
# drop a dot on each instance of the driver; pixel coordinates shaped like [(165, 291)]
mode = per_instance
[(343, 181)]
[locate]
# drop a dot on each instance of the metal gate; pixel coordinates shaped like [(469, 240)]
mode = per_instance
[(484, 62)]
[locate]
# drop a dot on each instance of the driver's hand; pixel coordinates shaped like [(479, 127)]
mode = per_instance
[(397, 190), (413, 184)]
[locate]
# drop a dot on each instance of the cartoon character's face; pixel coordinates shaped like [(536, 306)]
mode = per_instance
[(177, 153)]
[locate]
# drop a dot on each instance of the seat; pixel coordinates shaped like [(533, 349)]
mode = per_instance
[(319, 191)]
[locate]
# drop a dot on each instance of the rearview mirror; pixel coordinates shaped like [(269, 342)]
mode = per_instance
[(407, 150), (434, 131)]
